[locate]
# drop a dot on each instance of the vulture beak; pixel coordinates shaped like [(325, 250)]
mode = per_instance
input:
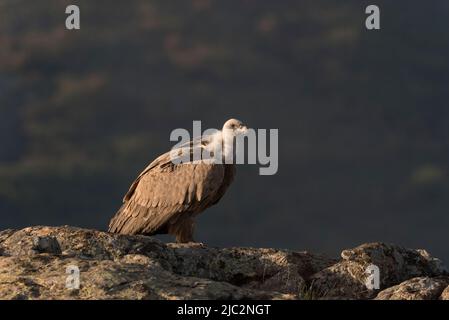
[(243, 129)]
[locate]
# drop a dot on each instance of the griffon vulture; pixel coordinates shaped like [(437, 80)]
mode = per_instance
[(167, 195)]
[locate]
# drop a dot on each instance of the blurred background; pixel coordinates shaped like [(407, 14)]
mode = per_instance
[(363, 116)]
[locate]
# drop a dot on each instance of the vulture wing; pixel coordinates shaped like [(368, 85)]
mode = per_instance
[(164, 192)]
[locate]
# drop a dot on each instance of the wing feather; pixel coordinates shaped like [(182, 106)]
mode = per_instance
[(165, 190)]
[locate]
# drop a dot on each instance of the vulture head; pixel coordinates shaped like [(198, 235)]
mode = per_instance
[(234, 127), (231, 129)]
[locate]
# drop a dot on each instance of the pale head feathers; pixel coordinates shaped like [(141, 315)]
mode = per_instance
[(225, 138)]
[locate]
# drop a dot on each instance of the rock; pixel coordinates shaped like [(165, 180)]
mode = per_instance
[(112, 266), (46, 245), (46, 263), (445, 294), (396, 264), (420, 288), (263, 269)]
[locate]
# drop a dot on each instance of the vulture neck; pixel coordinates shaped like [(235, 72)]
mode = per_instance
[(222, 144), (227, 142)]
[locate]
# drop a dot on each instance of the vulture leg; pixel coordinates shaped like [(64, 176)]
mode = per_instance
[(182, 230)]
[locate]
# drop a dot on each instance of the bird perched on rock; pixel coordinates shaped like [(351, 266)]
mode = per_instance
[(168, 195)]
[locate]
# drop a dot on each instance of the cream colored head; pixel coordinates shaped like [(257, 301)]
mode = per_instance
[(234, 127)]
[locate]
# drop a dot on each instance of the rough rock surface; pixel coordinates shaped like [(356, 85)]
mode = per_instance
[(420, 288), (36, 263), (347, 278), (445, 294)]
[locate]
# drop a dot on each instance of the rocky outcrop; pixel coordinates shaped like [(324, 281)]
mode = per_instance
[(43, 262), (420, 288), (347, 278)]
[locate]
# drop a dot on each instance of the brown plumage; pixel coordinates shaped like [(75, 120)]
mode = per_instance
[(166, 196)]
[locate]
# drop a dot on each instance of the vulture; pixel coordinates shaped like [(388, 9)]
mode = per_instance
[(168, 195)]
